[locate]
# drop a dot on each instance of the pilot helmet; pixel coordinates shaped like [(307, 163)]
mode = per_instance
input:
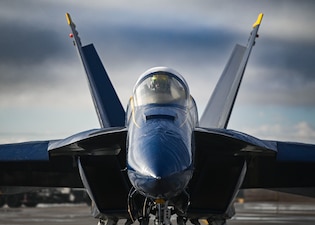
[(160, 83)]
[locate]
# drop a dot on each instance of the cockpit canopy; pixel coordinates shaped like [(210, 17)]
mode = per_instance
[(161, 85)]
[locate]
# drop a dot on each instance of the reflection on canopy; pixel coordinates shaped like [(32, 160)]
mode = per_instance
[(161, 88)]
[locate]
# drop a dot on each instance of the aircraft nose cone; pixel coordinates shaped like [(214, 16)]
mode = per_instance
[(158, 187), (159, 155), (159, 164)]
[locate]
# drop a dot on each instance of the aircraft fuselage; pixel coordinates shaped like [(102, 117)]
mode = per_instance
[(161, 118)]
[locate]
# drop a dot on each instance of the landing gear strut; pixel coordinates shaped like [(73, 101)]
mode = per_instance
[(163, 213), (140, 207)]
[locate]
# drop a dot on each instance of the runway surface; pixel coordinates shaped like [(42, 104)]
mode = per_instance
[(247, 213)]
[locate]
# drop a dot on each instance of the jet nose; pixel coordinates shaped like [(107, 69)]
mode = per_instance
[(160, 164), (158, 187), (159, 154)]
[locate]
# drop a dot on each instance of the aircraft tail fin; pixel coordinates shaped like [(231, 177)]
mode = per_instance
[(107, 104), (218, 110)]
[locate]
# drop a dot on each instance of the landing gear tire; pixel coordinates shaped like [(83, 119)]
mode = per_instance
[(144, 221), (128, 222), (217, 222), (181, 220), (110, 221), (195, 221)]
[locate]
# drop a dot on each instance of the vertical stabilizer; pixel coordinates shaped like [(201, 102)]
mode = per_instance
[(107, 104), (220, 105)]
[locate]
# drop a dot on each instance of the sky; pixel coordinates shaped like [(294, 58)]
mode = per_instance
[(43, 90)]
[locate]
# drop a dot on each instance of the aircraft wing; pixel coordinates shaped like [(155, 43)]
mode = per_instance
[(233, 142), (100, 155), (106, 141), (28, 165), (218, 110), (293, 167), (55, 164), (234, 160), (228, 160)]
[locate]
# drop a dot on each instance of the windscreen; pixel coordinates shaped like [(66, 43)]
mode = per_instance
[(160, 88)]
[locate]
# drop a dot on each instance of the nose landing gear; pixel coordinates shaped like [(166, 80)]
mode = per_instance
[(140, 208), (163, 212)]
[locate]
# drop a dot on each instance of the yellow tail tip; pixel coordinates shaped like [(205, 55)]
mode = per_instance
[(259, 19), (68, 17)]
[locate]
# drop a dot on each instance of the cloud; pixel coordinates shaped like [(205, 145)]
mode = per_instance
[(28, 44), (299, 132), (277, 87), (39, 66)]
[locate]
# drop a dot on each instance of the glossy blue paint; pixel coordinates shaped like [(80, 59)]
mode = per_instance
[(165, 187), (295, 152), (107, 104), (27, 151), (162, 135), (162, 118), (159, 143)]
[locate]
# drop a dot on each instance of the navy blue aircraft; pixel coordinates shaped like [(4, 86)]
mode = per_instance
[(158, 160)]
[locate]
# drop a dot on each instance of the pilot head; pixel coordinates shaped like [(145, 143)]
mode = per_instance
[(160, 83)]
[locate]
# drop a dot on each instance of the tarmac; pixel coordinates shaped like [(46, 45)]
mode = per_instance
[(79, 214)]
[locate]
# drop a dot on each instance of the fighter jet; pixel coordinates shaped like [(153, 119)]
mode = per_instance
[(156, 160)]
